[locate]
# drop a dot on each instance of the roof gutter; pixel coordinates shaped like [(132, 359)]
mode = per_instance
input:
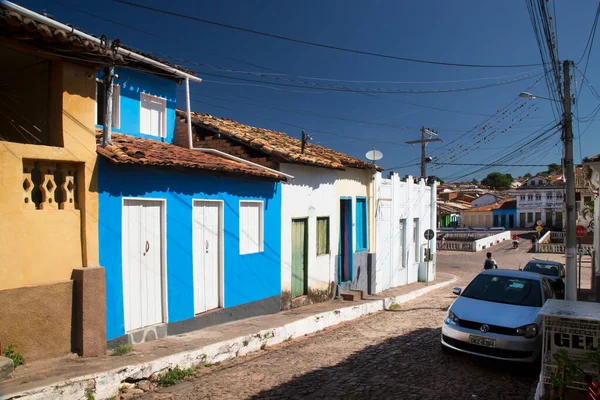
[(124, 52)]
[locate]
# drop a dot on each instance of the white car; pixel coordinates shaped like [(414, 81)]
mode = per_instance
[(497, 316)]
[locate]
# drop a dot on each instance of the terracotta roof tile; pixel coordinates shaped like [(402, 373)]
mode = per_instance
[(277, 143), (491, 207), (129, 150), (31, 31)]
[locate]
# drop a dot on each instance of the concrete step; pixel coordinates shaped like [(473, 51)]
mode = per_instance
[(352, 295)]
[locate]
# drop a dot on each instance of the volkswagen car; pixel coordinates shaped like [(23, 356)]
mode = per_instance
[(497, 316), (554, 271)]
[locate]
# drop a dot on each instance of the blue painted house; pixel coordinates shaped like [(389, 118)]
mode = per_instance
[(505, 215), (188, 237)]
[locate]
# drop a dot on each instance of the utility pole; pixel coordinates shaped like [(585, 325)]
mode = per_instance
[(423, 142), (571, 273), (109, 74)]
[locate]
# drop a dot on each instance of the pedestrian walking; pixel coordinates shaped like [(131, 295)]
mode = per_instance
[(489, 262), (533, 240)]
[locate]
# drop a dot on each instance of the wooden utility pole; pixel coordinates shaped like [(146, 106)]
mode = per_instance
[(571, 242), (423, 142)]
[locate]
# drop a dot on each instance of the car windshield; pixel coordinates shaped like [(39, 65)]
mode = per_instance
[(542, 268), (505, 289)]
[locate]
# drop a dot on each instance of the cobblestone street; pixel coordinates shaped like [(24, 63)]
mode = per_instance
[(387, 355)]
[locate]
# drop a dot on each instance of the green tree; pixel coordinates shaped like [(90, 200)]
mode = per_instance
[(475, 181), (527, 175), (553, 168), (496, 180)]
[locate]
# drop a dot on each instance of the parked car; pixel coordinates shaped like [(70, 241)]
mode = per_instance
[(554, 271), (497, 316)]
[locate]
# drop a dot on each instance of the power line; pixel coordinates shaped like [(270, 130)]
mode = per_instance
[(492, 165), (321, 45), (378, 91)]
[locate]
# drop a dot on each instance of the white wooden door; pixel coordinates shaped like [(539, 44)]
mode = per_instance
[(206, 238), (142, 263)]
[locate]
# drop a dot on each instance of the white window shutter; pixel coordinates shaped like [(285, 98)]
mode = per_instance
[(251, 230), (153, 115), (116, 111)]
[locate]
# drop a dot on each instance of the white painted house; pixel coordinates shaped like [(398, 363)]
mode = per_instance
[(327, 217), (405, 210), (540, 199), (484, 200)]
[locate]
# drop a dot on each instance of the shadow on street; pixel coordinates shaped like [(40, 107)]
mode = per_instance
[(411, 366)]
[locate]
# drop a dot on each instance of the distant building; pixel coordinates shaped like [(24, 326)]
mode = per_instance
[(541, 199)]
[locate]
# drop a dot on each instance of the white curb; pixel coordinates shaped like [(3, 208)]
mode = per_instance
[(105, 385)]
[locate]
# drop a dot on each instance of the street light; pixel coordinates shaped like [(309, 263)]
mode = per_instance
[(526, 95), (567, 126)]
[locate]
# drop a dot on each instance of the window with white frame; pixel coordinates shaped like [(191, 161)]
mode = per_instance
[(153, 115), (100, 106), (538, 196), (251, 227)]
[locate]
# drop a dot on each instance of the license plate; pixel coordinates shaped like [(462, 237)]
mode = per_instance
[(482, 341)]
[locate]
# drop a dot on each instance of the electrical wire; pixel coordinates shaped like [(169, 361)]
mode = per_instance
[(321, 45)]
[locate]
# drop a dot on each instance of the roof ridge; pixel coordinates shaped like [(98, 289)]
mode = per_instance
[(288, 147)]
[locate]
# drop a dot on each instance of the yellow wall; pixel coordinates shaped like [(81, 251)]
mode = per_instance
[(483, 219), (43, 246)]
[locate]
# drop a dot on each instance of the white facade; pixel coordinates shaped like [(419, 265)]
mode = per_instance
[(315, 194), (404, 212), (310, 195), (484, 199), (537, 200)]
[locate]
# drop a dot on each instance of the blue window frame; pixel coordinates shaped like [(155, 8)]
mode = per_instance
[(362, 224)]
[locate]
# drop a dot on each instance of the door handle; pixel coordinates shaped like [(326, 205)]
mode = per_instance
[(207, 246), (147, 247)]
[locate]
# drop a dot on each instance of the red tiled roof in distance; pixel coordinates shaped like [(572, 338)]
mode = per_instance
[(130, 150), (493, 206), (277, 144)]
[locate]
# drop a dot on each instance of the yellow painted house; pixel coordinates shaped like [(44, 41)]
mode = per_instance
[(52, 290)]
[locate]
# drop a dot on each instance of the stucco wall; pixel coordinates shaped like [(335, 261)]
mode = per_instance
[(507, 213), (398, 262), (484, 200), (310, 195), (481, 219), (44, 246), (132, 83), (37, 320), (247, 278), (353, 183)]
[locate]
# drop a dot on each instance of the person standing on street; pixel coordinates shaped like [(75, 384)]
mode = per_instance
[(490, 263)]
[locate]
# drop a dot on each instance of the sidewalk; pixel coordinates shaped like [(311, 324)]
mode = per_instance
[(71, 377)]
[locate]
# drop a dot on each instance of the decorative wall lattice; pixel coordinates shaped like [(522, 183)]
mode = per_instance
[(49, 185)]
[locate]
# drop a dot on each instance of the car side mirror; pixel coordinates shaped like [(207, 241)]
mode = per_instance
[(457, 291)]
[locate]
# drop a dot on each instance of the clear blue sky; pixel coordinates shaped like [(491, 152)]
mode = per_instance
[(473, 31)]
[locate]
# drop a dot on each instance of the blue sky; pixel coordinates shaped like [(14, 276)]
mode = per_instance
[(471, 32)]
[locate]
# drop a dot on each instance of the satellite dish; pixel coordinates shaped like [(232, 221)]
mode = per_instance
[(374, 155)]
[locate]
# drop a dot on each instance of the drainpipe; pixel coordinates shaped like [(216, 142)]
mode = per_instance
[(189, 111), (109, 74), (432, 226)]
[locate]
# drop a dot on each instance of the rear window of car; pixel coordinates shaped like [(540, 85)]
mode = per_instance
[(505, 289), (542, 268)]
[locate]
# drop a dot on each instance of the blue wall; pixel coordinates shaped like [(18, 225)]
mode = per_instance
[(133, 83), (247, 278), (507, 212)]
